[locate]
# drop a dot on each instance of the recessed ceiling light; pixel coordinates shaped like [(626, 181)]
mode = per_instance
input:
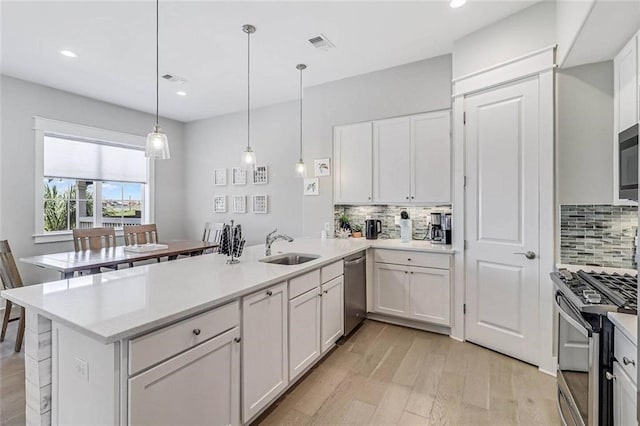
[(457, 3), (68, 54), (181, 93)]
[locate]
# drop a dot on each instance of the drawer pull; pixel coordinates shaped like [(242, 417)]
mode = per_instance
[(320, 294), (409, 259), (269, 293), (326, 291), (196, 331), (237, 339), (627, 361)]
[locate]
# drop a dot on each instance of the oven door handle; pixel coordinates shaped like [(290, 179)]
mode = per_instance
[(578, 323)]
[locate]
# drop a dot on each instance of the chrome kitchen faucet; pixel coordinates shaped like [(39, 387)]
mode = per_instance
[(273, 238)]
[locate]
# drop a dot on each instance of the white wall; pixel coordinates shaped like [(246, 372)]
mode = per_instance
[(217, 143), (570, 17), (21, 101), (521, 33), (585, 134)]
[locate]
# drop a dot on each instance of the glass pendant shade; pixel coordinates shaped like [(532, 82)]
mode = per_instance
[(249, 158), (301, 169), (157, 146)]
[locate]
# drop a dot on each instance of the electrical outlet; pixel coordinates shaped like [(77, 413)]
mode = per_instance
[(327, 227), (397, 220), (82, 368)]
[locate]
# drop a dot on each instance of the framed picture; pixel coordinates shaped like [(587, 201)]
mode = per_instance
[(260, 204), (239, 204), (311, 186), (261, 175), (220, 204), (238, 176), (220, 177), (322, 167)]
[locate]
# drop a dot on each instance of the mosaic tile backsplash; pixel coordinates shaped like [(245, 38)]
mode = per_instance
[(598, 235), (387, 214)]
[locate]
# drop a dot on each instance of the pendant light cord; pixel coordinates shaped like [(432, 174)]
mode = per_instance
[(248, 89), (301, 115), (157, 62)]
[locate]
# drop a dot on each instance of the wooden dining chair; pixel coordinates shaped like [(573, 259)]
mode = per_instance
[(10, 277), (94, 238), (140, 234)]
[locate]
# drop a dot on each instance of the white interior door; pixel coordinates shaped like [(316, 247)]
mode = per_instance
[(502, 219)]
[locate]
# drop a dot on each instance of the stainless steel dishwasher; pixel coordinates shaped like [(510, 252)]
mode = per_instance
[(355, 291)]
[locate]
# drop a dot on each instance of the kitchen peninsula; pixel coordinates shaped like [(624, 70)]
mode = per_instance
[(105, 348)]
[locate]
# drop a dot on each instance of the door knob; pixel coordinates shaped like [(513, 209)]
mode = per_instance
[(627, 361), (529, 255), (609, 376)]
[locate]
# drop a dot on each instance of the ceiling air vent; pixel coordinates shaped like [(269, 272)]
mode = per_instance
[(321, 42), (174, 78)]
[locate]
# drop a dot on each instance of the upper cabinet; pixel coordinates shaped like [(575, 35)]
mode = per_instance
[(352, 163), (626, 85), (410, 157)]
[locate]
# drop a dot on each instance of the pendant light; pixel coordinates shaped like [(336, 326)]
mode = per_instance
[(157, 146), (248, 156), (301, 169)]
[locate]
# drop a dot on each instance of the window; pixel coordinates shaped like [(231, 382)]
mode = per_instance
[(89, 180)]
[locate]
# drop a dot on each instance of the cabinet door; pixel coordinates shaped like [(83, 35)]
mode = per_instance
[(264, 348), (392, 160), (352, 163), (626, 85), (332, 312), (431, 157), (430, 295), (304, 331), (391, 289), (624, 398), (200, 386)]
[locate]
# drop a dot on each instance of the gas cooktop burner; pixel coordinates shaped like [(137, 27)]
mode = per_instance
[(602, 289)]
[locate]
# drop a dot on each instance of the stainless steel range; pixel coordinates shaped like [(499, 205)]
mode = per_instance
[(585, 341)]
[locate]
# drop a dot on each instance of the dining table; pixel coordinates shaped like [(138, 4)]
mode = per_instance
[(70, 262)]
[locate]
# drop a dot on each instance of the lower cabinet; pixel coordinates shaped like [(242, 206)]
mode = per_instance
[(304, 331), (332, 312), (264, 348), (197, 386), (624, 398), (413, 292)]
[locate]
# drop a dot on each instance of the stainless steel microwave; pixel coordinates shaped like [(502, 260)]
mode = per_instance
[(628, 165)]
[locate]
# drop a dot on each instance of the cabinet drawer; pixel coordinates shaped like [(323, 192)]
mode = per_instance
[(303, 283), (152, 348), (334, 270), (413, 258), (626, 353)]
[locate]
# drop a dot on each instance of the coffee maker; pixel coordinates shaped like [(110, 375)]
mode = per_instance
[(446, 229), (373, 228), (435, 229)]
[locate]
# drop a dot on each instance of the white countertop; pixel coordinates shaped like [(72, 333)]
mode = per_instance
[(116, 305), (627, 324)]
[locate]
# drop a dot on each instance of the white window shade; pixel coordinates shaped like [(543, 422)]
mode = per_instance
[(68, 158)]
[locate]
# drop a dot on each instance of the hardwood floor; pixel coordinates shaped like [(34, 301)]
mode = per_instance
[(383, 374), (12, 401), (389, 375)]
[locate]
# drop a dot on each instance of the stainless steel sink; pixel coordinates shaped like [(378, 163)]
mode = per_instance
[(290, 258)]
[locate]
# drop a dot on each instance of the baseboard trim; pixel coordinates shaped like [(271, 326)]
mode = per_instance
[(409, 323)]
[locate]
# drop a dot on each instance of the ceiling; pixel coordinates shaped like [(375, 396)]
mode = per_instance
[(204, 43)]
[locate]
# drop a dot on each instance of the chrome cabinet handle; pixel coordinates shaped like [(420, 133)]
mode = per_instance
[(269, 293), (196, 331), (529, 255), (609, 376), (627, 361), (237, 339)]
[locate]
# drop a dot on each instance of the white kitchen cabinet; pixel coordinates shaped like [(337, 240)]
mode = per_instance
[(304, 331), (431, 157), (624, 398), (264, 348), (392, 160), (625, 66), (352, 164), (332, 312), (199, 386), (416, 286), (391, 289), (430, 295)]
